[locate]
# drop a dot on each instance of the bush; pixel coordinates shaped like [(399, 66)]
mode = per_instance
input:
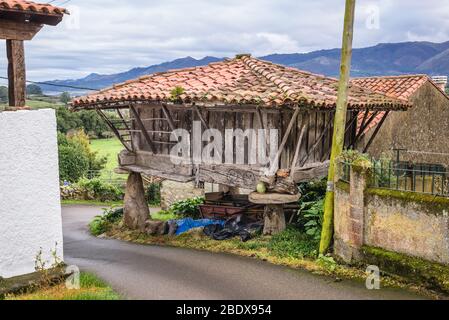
[(292, 243), (153, 194), (76, 158), (95, 189), (101, 224), (73, 163), (187, 208)]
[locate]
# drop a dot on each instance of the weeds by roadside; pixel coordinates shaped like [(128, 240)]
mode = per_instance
[(91, 288)]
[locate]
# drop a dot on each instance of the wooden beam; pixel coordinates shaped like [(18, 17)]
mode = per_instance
[(376, 132), (298, 144), (168, 117), (363, 128), (197, 111), (114, 129), (317, 142), (14, 30), (310, 172), (142, 127), (284, 140), (16, 73)]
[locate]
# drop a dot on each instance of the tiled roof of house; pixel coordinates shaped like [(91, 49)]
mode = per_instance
[(243, 80), (32, 7), (396, 86), (403, 87)]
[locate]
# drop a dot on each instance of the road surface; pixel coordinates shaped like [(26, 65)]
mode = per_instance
[(153, 272)]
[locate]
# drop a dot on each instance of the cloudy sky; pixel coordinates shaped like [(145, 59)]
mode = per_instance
[(108, 36)]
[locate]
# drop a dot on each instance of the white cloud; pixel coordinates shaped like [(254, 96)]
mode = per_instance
[(116, 35)]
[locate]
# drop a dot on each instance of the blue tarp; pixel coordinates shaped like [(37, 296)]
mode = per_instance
[(185, 225)]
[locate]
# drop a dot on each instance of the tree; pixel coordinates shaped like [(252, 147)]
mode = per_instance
[(65, 97), (76, 158), (339, 124), (33, 89), (3, 94)]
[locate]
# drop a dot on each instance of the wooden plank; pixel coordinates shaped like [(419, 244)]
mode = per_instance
[(142, 127), (14, 30), (284, 141), (168, 117), (317, 142), (200, 116), (299, 141), (310, 172), (16, 73), (230, 175)]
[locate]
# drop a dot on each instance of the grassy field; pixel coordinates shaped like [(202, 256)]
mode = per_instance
[(91, 288), (108, 148)]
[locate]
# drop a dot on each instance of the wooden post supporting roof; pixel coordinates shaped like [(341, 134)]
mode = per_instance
[(16, 73), (19, 23)]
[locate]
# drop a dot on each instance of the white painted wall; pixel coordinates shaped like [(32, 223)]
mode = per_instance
[(30, 211)]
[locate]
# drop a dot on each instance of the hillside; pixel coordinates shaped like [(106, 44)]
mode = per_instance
[(382, 59)]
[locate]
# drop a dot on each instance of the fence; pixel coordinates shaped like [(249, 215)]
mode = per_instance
[(403, 176), (107, 176)]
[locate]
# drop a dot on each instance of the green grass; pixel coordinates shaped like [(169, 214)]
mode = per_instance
[(164, 216), (91, 203), (109, 148), (38, 103), (91, 288)]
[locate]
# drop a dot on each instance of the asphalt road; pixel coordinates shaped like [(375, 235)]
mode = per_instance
[(152, 272)]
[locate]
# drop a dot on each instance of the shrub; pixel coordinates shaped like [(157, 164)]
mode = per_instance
[(153, 194), (102, 223), (73, 163), (313, 218), (95, 189), (187, 208), (76, 158), (292, 243)]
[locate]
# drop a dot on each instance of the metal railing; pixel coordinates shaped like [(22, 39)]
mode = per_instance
[(402, 176)]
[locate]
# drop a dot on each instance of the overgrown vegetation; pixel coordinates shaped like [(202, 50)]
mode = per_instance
[(293, 243), (102, 223), (91, 288), (311, 208), (187, 208)]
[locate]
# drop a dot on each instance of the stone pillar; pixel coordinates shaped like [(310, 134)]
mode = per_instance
[(357, 204), (274, 219), (136, 210), (350, 214)]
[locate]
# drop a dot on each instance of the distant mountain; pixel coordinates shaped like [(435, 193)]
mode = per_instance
[(382, 59)]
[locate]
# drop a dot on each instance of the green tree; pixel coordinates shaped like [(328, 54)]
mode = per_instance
[(3, 94), (65, 97), (76, 158), (33, 89)]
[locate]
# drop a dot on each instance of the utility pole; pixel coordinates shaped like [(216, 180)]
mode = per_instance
[(339, 125)]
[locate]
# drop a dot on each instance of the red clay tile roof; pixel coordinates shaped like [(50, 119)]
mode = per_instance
[(32, 7), (397, 86), (243, 80), (403, 87)]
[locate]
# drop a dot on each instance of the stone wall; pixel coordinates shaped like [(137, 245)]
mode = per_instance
[(30, 209), (422, 128), (172, 191), (404, 222)]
